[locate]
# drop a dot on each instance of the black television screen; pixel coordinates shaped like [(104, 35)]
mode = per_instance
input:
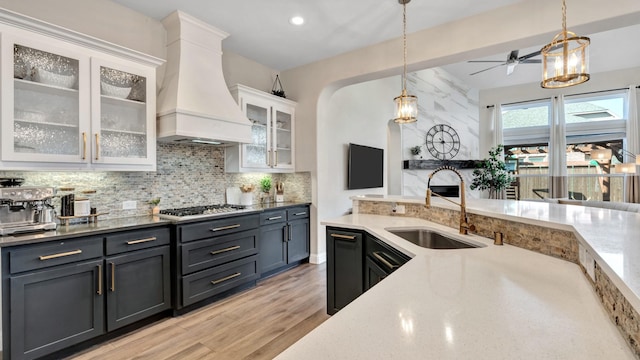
[(365, 167)]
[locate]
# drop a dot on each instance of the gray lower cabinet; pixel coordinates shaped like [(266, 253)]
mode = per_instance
[(214, 257), (63, 292), (284, 238), (137, 286), (52, 309)]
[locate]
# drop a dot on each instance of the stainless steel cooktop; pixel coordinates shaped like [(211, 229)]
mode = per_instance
[(201, 212)]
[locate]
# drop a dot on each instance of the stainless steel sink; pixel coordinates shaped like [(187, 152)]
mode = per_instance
[(431, 239)]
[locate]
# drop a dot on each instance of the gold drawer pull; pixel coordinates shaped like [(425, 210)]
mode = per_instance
[(215, 282), (385, 261), (275, 218), (99, 280), (55, 256), (113, 277), (300, 214), (225, 250), (133, 242), (346, 237), (226, 227)]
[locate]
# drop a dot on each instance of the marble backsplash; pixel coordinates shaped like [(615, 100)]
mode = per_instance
[(186, 175)]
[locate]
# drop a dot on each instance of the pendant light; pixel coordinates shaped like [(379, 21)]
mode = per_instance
[(565, 61), (406, 105)]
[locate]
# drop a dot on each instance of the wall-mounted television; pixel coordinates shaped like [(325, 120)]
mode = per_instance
[(366, 166)]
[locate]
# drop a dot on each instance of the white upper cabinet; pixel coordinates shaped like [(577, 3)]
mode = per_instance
[(273, 126), (73, 103)]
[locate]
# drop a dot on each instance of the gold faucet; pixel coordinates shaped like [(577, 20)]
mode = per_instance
[(465, 226)]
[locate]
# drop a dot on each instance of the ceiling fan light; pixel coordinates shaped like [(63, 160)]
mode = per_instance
[(406, 108)]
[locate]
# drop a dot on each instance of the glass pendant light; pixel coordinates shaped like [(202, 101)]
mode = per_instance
[(406, 105), (565, 61)]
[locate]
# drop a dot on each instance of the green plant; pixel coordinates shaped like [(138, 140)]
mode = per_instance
[(265, 184), (491, 174), (154, 201), (416, 150)]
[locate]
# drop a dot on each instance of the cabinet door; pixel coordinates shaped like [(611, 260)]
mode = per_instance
[(373, 273), (298, 240), (137, 286), (123, 114), (45, 101), (283, 139), (273, 248), (344, 268), (257, 154), (56, 308)]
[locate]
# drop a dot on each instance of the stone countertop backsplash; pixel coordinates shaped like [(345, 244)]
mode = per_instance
[(186, 175)]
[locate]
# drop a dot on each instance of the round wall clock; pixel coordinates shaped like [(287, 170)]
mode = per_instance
[(443, 142)]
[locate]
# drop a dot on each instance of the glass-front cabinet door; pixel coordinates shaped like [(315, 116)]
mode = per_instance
[(282, 137), (257, 154), (122, 114), (44, 99)]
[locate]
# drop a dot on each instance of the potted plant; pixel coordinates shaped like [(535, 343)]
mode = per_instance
[(265, 186), (154, 203), (416, 151), (491, 174)]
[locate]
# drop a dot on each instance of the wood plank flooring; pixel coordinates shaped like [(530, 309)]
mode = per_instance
[(258, 323)]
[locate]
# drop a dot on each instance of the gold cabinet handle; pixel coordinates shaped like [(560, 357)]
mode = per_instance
[(300, 213), (133, 242), (59, 255), (113, 277), (346, 237), (84, 146), (99, 280), (385, 261), (274, 218), (275, 153), (231, 248), (225, 227), (215, 282), (269, 158), (97, 146)]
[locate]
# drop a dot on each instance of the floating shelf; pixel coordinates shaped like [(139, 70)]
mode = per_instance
[(433, 164)]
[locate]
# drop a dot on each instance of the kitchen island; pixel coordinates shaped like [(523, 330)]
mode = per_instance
[(492, 302)]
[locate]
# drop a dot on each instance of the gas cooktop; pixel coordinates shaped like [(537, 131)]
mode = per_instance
[(197, 212)]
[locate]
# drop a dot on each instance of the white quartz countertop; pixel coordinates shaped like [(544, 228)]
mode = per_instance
[(493, 302)]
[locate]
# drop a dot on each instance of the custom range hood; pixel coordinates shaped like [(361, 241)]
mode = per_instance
[(194, 104)]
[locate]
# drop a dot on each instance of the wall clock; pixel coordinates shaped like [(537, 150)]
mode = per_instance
[(443, 142)]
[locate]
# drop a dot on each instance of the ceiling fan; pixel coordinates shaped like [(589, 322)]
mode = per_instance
[(512, 61)]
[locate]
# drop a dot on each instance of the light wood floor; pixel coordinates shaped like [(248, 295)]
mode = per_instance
[(258, 323)]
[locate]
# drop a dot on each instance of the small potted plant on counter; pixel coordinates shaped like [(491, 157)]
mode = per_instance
[(265, 186), (155, 208), (416, 151)]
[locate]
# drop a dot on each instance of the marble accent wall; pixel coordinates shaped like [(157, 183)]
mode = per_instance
[(442, 99), (186, 175)]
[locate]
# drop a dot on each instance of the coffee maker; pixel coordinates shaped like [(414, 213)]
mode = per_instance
[(26, 209)]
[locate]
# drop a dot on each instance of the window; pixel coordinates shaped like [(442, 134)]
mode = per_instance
[(592, 122)]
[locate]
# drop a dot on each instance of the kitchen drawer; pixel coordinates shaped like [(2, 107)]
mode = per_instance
[(298, 213), (137, 239), (273, 216), (203, 254), (32, 257), (207, 229), (204, 284)]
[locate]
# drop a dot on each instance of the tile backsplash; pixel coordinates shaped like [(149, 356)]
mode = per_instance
[(186, 175)]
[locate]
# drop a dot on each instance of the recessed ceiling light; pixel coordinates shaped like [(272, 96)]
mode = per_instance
[(297, 20)]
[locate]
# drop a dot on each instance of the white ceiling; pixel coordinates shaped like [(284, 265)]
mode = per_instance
[(260, 30)]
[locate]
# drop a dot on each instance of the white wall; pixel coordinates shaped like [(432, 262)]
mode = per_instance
[(355, 114), (240, 70)]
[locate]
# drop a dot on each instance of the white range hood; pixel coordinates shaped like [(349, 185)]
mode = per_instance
[(194, 103)]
